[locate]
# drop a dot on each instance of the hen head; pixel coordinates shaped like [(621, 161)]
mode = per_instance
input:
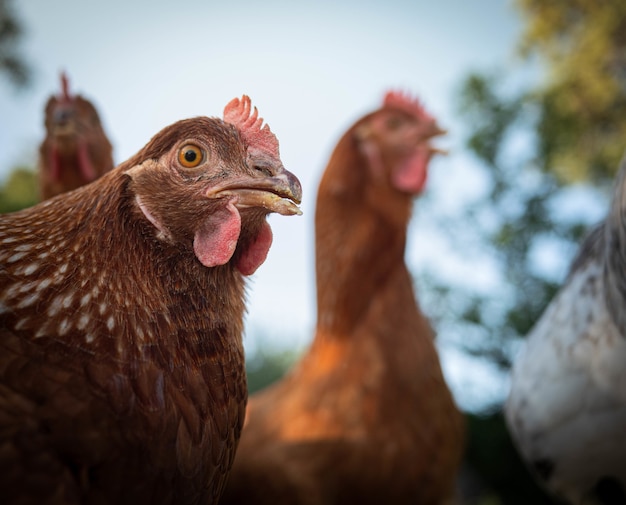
[(76, 150), (227, 174), (395, 141)]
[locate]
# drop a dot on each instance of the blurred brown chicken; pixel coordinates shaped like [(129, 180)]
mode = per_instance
[(365, 416), (76, 150), (121, 305)]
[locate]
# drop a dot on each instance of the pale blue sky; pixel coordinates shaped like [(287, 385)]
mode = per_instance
[(311, 68)]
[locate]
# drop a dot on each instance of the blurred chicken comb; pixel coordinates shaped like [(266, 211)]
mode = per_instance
[(406, 102), (258, 137), (65, 88)]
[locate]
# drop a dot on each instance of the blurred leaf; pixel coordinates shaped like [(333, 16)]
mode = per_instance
[(12, 63), (19, 191), (266, 366), (582, 44)]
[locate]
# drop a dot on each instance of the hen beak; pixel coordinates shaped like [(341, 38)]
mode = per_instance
[(281, 193), (436, 150), (436, 131)]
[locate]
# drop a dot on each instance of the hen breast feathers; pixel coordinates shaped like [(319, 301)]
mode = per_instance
[(567, 406), (121, 362)]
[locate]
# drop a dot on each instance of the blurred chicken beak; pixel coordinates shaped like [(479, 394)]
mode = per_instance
[(436, 132)]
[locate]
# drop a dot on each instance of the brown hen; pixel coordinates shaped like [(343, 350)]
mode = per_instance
[(76, 150), (121, 303), (365, 416)]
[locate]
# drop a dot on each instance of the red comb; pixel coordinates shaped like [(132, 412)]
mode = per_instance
[(404, 101), (65, 88), (241, 114)]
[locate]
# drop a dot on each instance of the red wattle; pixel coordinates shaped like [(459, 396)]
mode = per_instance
[(215, 241), (411, 175), (84, 163), (256, 253)]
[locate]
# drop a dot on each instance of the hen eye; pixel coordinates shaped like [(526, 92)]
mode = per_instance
[(190, 156), (394, 122)]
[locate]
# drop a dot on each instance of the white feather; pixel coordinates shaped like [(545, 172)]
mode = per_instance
[(567, 402)]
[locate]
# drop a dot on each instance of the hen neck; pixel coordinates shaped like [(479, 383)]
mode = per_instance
[(360, 243)]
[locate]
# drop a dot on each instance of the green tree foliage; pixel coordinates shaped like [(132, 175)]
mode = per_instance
[(570, 127), (12, 63), (19, 191), (519, 214), (582, 44), (266, 366)]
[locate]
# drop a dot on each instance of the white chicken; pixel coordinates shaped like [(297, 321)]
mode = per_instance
[(567, 406)]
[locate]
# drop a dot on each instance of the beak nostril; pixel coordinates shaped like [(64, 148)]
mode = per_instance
[(264, 170)]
